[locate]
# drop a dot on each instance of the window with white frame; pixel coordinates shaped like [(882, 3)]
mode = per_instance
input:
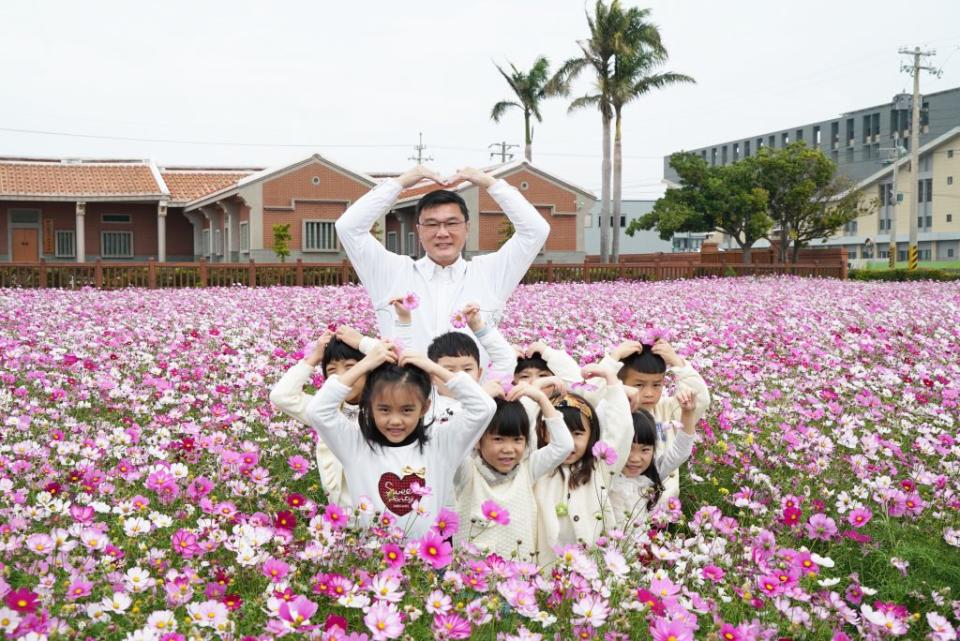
[(65, 244), (392, 242), (205, 242), (123, 219), (245, 237), (319, 235), (116, 244), (217, 242), (411, 244)]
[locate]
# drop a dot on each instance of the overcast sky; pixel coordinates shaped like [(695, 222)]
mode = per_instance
[(356, 81)]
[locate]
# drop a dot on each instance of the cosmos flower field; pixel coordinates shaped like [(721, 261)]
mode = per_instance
[(149, 491)]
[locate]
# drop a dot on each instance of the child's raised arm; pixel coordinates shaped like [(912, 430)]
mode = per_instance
[(682, 446), (558, 361), (616, 430), (685, 377), (466, 426), (287, 393), (503, 358), (560, 444)]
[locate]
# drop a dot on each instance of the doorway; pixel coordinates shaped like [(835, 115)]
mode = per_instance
[(26, 246)]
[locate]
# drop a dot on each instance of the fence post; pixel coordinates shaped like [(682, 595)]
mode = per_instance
[(151, 273), (344, 272), (252, 274), (550, 271), (98, 274), (43, 273), (203, 272), (586, 270), (299, 272), (657, 269)]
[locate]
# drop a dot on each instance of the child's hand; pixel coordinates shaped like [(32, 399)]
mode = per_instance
[(624, 349), (403, 314), (531, 392), (350, 336), (416, 359), (382, 352), (471, 313), (594, 370), (633, 395), (551, 385), (519, 351), (665, 350), (536, 347), (494, 389), (316, 355), (687, 400)]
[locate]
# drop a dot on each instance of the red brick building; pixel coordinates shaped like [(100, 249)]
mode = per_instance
[(82, 210)]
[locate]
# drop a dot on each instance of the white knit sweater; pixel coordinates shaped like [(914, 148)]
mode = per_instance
[(477, 482), (586, 508)]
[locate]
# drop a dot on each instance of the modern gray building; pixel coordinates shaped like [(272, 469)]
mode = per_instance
[(643, 242), (857, 140)]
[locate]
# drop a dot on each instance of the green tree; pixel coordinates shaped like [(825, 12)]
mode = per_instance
[(531, 88), (505, 232), (721, 198), (806, 198), (634, 75), (281, 240)]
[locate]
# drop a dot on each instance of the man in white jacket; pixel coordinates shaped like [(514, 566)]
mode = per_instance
[(443, 280)]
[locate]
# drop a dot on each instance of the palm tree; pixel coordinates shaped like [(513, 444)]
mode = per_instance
[(531, 88), (633, 77), (607, 28)]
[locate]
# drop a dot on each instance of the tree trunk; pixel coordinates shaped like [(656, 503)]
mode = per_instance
[(796, 252), (617, 188), (527, 138), (784, 242), (605, 189), (746, 254)]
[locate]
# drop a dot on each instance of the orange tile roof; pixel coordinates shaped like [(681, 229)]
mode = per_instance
[(425, 187), (189, 184), (77, 178)]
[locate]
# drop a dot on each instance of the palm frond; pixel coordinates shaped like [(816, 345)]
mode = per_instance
[(501, 107)]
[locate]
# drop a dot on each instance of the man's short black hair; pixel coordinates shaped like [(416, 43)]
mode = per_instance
[(643, 362), (337, 350), (442, 197), (453, 344)]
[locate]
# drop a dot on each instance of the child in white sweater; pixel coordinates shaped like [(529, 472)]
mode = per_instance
[(335, 354), (643, 367), (639, 487), (500, 471), (391, 448), (572, 501)]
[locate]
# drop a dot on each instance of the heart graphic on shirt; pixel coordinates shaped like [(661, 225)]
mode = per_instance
[(396, 494)]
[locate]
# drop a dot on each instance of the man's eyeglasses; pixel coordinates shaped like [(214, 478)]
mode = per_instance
[(433, 226)]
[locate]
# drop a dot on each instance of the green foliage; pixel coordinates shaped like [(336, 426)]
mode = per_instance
[(806, 198), (281, 240), (505, 232), (724, 198), (530, 88), (901, 274)]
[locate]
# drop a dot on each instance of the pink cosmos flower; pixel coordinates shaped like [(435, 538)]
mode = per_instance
[(22, 600), (335, 516), (184, 543), (298, 465), (393, 555), (713, 573), (78, 589), (821, 526), (411, 301), (495, 513), (664, 629), (592, 610), (859, 517), (275, 570), (451, 626), (447, 523), (435, 551), (458, 320), (296, 613), (383, 620), (604, 452)]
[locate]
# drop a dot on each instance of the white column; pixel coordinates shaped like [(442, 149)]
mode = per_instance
[(162, 232), (79, 232)]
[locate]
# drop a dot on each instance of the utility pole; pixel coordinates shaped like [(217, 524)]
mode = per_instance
[(897, 150), (914, 69), (419, 149), (503, 153)]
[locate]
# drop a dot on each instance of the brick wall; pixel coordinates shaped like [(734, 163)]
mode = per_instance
[(295, 218), (143, 225), (179, 234), (542, 194)]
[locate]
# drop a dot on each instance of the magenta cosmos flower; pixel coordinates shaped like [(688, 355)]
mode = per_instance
[(495, 513), (451, 626), (435, 551)]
